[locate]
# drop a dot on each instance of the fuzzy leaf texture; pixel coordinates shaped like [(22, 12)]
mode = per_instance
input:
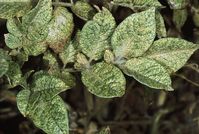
[(60, 29), (172, 53), (104, 80), (35, 22), (148, 72), (134, 35), (83, 10), (12, 8), (95, 35), (137, 3), (42, 104)]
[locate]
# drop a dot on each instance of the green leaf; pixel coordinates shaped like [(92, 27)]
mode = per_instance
[(172, 53), (14, 27), (14, 74), (34, 48), (51, 116), (13, 41), (41, 103), (60, 29), (104, 80), (4, 66), (179, 18), (83, 10), (35, 22), (160, 26), (148, 72), (69, 54), (105, 131), (178, 4), (81, 62), (135, 34), (137, 4), (50, 59), (12, 8), (95, 35), (109, 56)]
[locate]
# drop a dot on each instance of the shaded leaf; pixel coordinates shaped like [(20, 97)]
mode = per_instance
[(160, 26), (95, 35), (60, 29), (104, 80), (12, 8), (105, 131), (172, 53), (148, 72), (135, 34), (83, 10), (4, 66), (177, 4), (179, 18)]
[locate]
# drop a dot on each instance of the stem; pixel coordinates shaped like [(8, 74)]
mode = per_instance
[(185, 78)]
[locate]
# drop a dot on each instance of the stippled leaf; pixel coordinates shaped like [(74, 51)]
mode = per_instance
[(13, 41), (60, 29), (12, 8), (81, 62), (83, 10), (160, 26), (137, 4), (109, 56), (35, 22), (4, 66), (41, 103), (104, 80), (95, 35), (179, 18), (148, 72), (105, 131), (14, 27), (172, 53), (177, 4), (135, 34), (49, 115), (69, 54), (34, 48)]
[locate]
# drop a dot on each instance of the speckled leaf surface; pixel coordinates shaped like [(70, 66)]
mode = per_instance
[(135, 34), (4, 66), (177, 4), (83, 10), (35, 22), (137, 3), (95, 35), (12, 8), (104, 80), (43, 106), (60, 29), (160, 26), (109, 56), (13, 41), (68, 55), (148, 72), (179, 18), (172, 53), (14, 27), (34, 48)]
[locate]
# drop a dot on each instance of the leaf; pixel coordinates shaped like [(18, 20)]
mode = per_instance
[(50, 60), (109, 56), (135, 34), (104, 80), (105, 131), (69, 54), (14, 27), (33, 48), (83, 10), (12, 8), (13, 41), (35, 22), (60, 29), (95, 35), (178, 4), (41, 103), (81, 62), (4, 66), (148, 72), (179, 18), (172, 53), (140, 4), (160, 26), (14, 74), (51, 116)]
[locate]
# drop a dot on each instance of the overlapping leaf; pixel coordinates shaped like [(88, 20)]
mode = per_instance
[(83, 10), (179, 18), (148, 72), (160, 26), (104, 80), (60, 29), (95, 35), (12, 8), (172, 53), (42, 105), (177, 4), (135, 34)]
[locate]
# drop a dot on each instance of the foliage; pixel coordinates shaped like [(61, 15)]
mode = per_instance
[(103, 52)]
